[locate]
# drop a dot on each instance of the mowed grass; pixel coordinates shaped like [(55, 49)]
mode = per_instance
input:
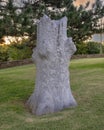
[(87, 83)]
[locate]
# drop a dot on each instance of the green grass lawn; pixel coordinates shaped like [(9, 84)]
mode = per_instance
[(87, 83)]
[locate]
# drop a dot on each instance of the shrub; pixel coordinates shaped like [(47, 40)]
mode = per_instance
[(88, 48), (81, 48), (93, 48), (19, 52), (4, 52), (103, 48)]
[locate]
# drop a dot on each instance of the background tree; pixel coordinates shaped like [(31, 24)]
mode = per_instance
[(82, 20), (16, 21)]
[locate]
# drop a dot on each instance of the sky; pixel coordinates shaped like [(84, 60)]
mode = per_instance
[(83, 2)]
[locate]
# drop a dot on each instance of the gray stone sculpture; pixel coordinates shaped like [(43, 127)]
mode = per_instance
[(51, 56)]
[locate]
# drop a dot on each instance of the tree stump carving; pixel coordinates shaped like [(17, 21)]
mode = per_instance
[(52, 55)]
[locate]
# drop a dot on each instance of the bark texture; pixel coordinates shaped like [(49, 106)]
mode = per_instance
[(52, 55)]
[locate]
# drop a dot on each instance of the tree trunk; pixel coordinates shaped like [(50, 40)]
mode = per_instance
[(51, 56)]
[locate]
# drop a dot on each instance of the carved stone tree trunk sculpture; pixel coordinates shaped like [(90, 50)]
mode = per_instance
[(51, 56)]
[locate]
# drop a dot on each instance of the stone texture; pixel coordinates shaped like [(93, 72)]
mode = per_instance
[(51, 56)]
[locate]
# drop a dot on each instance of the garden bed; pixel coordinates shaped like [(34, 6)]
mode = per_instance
[(8, 64)]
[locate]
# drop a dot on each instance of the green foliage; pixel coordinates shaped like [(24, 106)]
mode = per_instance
[(14, 23), (103, 48), (19, 52), (93, 48), (16, 51), (23, 50), (81, 48), (4, 53), (88, 48), (82, 22)]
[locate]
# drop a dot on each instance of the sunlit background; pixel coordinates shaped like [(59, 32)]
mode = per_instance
[(9, 39)]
